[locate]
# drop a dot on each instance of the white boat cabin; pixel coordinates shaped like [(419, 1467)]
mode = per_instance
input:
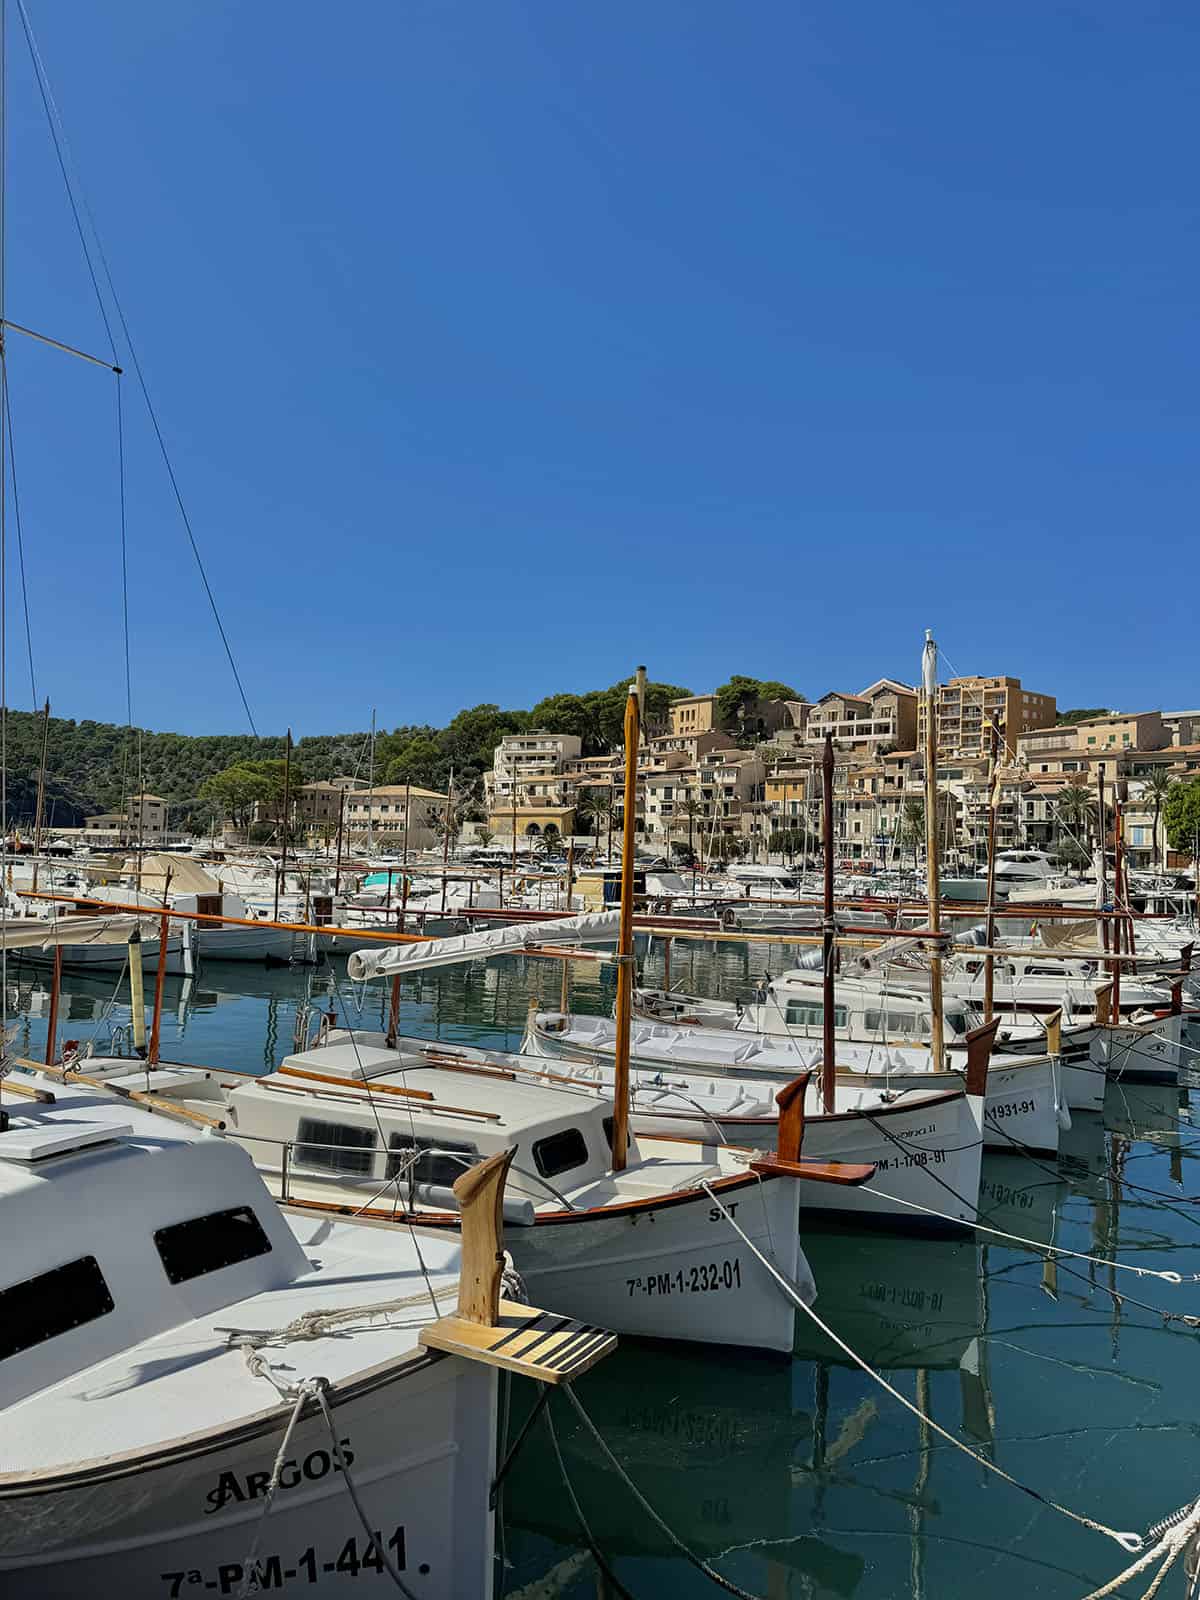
[(311, 1126), (117, 1231)]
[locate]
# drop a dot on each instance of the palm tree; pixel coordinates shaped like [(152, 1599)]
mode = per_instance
[(589, 810), (1074, 809), (1159, 783), (691, 809), (912, 823)]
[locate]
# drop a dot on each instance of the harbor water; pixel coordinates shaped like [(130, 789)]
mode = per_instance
[(803, 1478)]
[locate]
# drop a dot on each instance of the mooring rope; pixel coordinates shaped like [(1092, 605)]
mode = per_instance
[(669, 1533), (1055, 1250), (1131, 1542)]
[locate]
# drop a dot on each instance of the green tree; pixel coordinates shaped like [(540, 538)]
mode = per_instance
[(912, 823), (1159, 784), (1067, 719), (419, 762), (737, 698), (1181, 813), (240, 789), (1074, 813), (692, 810)]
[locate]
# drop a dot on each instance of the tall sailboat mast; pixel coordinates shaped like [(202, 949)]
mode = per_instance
[(371, 790), (932, 886)]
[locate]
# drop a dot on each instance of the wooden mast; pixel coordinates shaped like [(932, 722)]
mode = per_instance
[(446, 820), (828, 936), (932, 886), (989, 961), (371, 791), (620, 1134), (337, 871), (40, 812), (287, 795)]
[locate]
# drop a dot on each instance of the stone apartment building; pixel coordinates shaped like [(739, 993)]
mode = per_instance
[(967, 708), (532, 783), (883, 715)]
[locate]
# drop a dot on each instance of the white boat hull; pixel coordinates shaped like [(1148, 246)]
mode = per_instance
[(266, 945), (1150, 1054), (930, 1152), (109, 957), (676, 1270), (421, 1447)]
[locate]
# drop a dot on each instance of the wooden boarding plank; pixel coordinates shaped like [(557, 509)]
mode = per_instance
[(814, 1171), (536, 1344)]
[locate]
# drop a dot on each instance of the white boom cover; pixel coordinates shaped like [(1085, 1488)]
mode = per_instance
[(37, 933), (588, 928)]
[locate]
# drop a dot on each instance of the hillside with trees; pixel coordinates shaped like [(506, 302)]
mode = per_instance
[(92, 766)]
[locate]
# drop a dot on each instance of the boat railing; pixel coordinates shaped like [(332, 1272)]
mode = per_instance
[(516, 1210)]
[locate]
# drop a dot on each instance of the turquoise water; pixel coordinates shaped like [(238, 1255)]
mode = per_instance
[(802, 1478)]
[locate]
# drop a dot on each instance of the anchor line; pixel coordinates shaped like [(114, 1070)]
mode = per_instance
[(1130, 1542), (589, 1539), (689, 1555)]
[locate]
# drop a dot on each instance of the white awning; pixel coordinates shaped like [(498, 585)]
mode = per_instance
[(36, 933), (590, 928)]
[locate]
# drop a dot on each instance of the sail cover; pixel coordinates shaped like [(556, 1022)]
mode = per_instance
[(588, 928), (38, 933)]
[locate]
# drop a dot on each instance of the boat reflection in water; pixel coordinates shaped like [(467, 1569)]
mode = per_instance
[(747, 1458)]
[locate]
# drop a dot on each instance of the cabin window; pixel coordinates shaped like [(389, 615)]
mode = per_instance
[(441, 1168), (52, 1303), (560, 1152), (208, 905), (956, 1021), (811, 1014), (336, 1147), (892, 1022), (206, 1244)]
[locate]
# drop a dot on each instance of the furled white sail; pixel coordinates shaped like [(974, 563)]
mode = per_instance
[(30, 933), (588, 928)]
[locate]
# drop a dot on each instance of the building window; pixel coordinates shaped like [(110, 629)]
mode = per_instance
[(54, 1302), (201, 1245)]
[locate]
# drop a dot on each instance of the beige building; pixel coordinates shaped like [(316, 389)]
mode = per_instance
[(885, 713), (1142, 730), (382, 813), (319, 805), (147, 817), (968, 708), (521, 758), (696, 714)]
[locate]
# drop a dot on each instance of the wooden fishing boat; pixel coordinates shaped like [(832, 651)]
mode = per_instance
[(172, 1343), (351, 1127)]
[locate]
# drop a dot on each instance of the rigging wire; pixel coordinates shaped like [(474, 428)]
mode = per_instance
[(62, 149), (12, 468)]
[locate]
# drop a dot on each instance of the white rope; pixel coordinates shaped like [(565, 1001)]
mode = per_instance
[(1170, 1547), (1132, 1542), (381, 1550), (306, 1391), (1054, 1250)]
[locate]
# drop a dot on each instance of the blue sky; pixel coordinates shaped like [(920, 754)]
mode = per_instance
[(501, 346)]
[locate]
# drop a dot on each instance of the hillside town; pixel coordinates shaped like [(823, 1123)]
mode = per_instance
[(748, 785)]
